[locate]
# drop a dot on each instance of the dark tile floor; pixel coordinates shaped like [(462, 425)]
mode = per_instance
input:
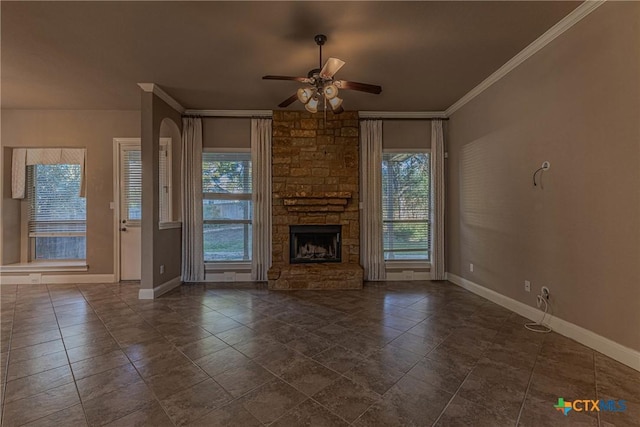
[(393, 354)]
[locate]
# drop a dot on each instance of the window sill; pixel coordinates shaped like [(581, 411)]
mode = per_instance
[(45, 266), (169, 225), (237, 266)]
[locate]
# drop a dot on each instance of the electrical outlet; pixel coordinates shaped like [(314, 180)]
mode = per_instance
[(471, 268), (229, 276), (35, 279), (527, 286), (162, 269)]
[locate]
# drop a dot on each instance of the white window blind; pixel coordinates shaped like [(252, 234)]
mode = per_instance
[(165, 182), (406, 206), (57, 215), (226, 206), (132, 185)]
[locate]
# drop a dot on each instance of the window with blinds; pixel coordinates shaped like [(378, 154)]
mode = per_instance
[(57, 214), (226, 206), (165, 181), (131, 186), (406, 206)]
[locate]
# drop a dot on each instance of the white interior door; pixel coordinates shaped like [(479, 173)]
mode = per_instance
[(130, 211)]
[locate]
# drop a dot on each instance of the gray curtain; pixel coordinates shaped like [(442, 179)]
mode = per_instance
[(371, 249), (437, 196), (191, 168), (261, 197)]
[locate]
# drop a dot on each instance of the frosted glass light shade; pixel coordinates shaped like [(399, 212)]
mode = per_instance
[(335, 103), (312, 105), (305, 94), (330, 91)]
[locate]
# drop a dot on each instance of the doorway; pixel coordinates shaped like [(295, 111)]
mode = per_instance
[(129, 208)]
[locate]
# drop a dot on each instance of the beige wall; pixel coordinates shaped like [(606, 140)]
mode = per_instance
[(226, 132), (93, 130), (231, 132), (406, 134), (576, 104)]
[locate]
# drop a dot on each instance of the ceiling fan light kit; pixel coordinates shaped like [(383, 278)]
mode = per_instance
[(335, 103), (323, 85), (330, 91), (305, 94), (312, 105)]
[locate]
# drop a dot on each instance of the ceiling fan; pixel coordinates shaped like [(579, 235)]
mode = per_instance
[(322, 85)]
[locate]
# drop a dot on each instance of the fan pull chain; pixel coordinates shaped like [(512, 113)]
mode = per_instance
[(325, 110)]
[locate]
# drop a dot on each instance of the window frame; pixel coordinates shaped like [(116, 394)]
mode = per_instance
[(29, 238), (233, 265), (165, 203), (411, 263)]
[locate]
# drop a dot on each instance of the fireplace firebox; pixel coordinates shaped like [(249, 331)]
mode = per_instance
[(315, 243)]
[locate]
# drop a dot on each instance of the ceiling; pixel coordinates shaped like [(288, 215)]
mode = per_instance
[(211, 55)]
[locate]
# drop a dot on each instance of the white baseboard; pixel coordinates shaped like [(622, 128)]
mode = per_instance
[(584, 336), (55, 279), (160, 289)]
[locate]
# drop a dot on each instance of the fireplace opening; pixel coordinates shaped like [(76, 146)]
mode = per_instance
[(314, 243)]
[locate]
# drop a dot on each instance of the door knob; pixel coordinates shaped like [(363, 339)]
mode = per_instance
[(123, 229)]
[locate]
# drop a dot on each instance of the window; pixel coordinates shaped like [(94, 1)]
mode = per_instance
[(405, 206), (131, 185), (226, 206), (164, 171), (57, 214)]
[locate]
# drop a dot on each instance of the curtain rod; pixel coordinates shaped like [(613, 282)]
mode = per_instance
[(229, 113), (425, 115), (197, 116), (388, 115), (402, 118)]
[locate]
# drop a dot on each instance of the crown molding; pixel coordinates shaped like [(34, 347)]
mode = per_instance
[(567, 22), (402, 114), (157, 90), (229, 113)]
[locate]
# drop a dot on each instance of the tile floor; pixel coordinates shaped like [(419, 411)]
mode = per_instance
[(393, 354)]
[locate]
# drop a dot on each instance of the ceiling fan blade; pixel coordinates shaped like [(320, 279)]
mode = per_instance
[(331, 67), (338, 110), (297, 79), (290, 100), (362, 87)]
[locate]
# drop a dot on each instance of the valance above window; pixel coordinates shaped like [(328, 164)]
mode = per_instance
[(23, 157)]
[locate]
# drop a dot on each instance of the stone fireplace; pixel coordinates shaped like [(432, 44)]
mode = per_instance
[(316, 217)]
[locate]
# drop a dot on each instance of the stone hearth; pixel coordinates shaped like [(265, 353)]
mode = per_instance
[(315, 181), (316, 276)]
